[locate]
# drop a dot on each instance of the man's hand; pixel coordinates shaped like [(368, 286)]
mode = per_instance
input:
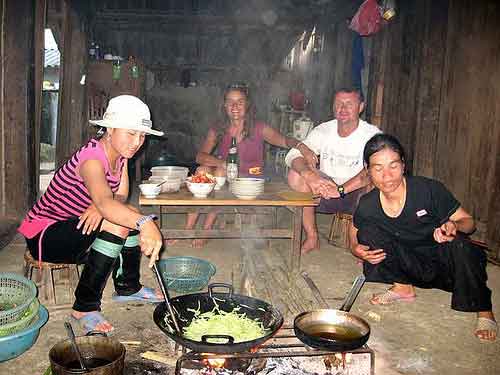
[(309, 156), (318, 184), (151, 241), (89, 220), (370, 256), (446, 232), (332, 192)]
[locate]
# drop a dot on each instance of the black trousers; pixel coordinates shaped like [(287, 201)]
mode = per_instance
[(458, 267), (63, 243)]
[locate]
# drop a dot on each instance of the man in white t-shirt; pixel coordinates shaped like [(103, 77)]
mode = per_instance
[(341, 178)]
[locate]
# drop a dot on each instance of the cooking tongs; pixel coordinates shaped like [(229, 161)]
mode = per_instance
[(167, 297)]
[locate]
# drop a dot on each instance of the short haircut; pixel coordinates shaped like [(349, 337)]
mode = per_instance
[(349, 90), (379, 142)]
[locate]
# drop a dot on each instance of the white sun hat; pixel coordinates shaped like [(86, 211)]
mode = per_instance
[(127, 112)]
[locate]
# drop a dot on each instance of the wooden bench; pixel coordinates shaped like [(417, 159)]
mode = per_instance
[(339, 230)]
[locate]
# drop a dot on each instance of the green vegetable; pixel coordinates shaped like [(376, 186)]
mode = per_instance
[(218, 322)]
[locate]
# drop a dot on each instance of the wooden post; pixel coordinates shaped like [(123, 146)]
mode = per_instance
[(17, 102), (72, 129)]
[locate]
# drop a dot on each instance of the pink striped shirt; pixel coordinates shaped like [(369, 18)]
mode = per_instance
[(67, 196)]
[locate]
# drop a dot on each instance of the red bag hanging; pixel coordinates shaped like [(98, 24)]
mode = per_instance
[(367, 19)]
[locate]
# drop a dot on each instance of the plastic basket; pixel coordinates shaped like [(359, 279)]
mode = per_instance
[(185, 274), (17, 343), (16, 295), (26, 319)]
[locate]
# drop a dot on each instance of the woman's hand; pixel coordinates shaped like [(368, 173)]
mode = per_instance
[(151, 241), (90, 220), (310, 157), (446, 232), (370, 256)]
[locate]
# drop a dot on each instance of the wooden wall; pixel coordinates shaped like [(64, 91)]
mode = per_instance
[(436, 75), (17, 103)]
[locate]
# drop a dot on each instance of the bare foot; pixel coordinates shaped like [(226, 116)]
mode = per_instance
[(486, 329), (310, 244), (198, 243), (92, 321), (171, 242)]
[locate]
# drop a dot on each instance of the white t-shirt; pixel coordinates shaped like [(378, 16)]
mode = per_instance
[(341, 158)]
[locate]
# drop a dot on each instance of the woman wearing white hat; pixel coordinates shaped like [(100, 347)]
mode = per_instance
[(85, 206)]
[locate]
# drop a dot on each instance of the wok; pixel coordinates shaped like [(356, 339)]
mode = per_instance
[(336, 330), (226, 301)]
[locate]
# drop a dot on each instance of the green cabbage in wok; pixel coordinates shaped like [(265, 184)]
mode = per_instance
[(218, 322)]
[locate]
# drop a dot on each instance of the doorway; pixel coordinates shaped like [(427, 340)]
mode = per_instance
[(50, 104)]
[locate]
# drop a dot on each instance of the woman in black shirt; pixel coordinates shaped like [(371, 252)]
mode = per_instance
[(409, 233)]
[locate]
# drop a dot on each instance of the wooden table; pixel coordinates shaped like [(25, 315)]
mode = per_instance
[(275, 195)]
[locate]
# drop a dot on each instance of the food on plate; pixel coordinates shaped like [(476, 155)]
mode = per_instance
[(255, 171), (218, 322), (203, 178)]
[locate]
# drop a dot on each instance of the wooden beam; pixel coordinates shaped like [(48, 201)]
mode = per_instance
[(157, 21)]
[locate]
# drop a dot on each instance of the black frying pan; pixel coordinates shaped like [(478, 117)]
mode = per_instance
[(227, 301), (336, 330)]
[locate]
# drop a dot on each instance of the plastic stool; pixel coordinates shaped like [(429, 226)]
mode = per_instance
[(45, 279), (339, 230)]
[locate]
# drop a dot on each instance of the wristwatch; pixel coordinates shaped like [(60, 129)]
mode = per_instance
[(144, 219), (341, 190)]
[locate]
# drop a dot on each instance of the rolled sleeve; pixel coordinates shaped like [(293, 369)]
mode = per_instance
[(291, 156)]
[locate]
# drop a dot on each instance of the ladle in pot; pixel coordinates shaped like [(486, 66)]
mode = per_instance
[(72, 339), (167, 297)]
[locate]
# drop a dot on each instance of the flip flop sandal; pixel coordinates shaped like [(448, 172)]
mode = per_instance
[(89, 321), (147, 295), (486, 324), (389, 297)]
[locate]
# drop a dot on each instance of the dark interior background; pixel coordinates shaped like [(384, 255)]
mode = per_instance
[(430, 77)]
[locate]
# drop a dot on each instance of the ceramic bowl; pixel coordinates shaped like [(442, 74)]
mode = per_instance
[(200, 190), (150, 190), (219, 182), (171, 185)]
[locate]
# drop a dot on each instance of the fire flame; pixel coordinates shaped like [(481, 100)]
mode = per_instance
[(215, 362)]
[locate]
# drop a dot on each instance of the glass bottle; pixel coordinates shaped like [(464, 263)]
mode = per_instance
[(134, 70), (232, 161), (92, 51), (97, 52), (117, 70)]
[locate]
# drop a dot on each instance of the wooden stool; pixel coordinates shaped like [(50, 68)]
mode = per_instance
[(339, 230), (45, 279)]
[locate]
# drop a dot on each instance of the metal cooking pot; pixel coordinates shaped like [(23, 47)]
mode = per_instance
[(103, 356), (336, 330), (252, 307)]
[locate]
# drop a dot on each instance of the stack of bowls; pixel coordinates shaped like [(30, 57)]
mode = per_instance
[(247, 188), (170, 171)]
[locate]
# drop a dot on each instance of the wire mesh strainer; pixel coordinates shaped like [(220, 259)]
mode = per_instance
[(185, 274), (16, 295)]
